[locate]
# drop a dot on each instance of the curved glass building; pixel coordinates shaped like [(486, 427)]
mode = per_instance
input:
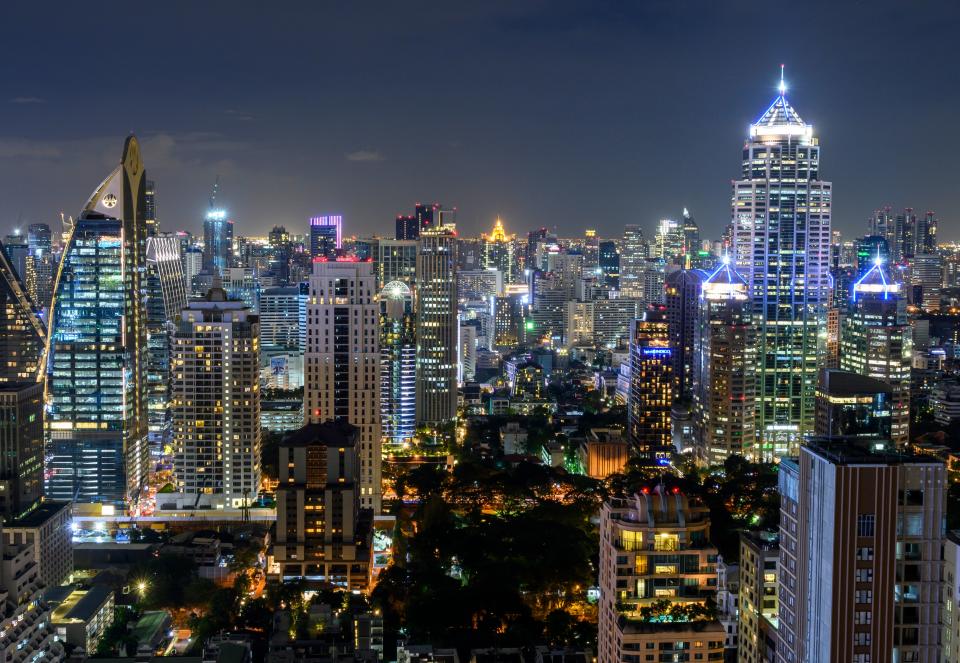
[(96, 358)]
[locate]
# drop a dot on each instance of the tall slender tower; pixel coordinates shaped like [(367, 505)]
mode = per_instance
[(781, 219), (398, 364), (342, 362), (877, 340), (651, 386), (97, 408), (724, 368), (437, 325)]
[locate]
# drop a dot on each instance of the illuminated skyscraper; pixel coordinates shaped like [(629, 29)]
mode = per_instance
[(22, 333), (724, 369), (216, 404), (437, 326), (39, 268), (691, 239), (633, 261), (651, 386), (681, 295), (670, 242), (398, 364), (497, 251), (326, 236), (877, 341), (342, 362), (217, 241), (781, 218), (97, 406)]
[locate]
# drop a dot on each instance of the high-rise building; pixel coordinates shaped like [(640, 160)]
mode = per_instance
[(633, 261), (591, 252), (21, 447), (925, 240), (396, 261), (326, 236), (600, 323), (437, 326), (398, 365), (757, 627), (216, 404), (651, 386), (322, 534), (342, 362), (681, 290), (217, 241), (876, 340), (96, 391), (853, 405), (724, 369), (39, 266), (691, 240), (407, 228), (926, 281), (868, 249), (861, 539), (610, 264), (655, 546), (670, 242), (497, 251), (16, 247), (22, 333), (781, 218), (280, 317)]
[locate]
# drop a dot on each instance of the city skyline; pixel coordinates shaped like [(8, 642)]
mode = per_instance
[(523, 126)]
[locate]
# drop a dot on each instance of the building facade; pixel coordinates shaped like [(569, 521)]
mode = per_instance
[(398, 365), (651, 387)]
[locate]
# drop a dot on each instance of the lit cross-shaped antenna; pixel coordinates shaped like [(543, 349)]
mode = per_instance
[(783, 85)]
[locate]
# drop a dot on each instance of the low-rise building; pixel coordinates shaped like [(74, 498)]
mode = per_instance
[(47, 530), (80, 616)]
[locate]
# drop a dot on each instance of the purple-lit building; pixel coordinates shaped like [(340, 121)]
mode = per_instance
[(326, 236)]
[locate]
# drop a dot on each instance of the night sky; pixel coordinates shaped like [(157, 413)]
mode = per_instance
[(566, 114)]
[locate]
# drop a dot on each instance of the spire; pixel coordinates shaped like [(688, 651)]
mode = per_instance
[(780, 119), (783, 85)]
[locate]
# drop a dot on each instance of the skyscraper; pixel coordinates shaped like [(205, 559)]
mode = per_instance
[(396, 261), (724, 369), (398, 365), (217, 241), (326, 236), (342, 362), (651, 386), (21, 447), (861, 536), (216, 404), (97, 409), (853, 405), (691, 240), (407, 228), (497, 251), (610, 264), (633, 261), (681, 290), (39, 265), (781, 218), (670, 242), (437, 326), (22, 332), (877, 341)]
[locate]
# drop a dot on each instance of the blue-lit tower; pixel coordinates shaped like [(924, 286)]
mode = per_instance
[(398, 366), (96, 391), (217, 241), (781, 240)]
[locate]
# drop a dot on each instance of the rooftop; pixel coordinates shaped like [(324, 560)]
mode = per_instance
[(78, 604), (44, 512), (330, 433), (862, 451), (836, 382)]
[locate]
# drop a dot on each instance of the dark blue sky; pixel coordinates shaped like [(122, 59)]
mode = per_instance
[(562, 113)]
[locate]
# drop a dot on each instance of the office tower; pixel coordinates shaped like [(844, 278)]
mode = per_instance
[(610, 264), (670, 242), (280, 250), (17, 250), (216, 404), (903, 242), (868, 249), (537, 240), (96, 392), (882, 224), (39, 266), (655, 546), (781, 218), (398, 365), (407, 228), (681, 291), (427, 215), (469, 333), (633, 261), (436, 308), (549, 297), (192, 265), (280, 317), (926, 281), (21, 447), (242, 283), (396, 261), (322, 532), (757, 627), (326, 236), (478, 284), (691, 239), (601, 323), (591, 251), (651, 386), (22, 333), (165, 297), (853, 405), (724, 369), (507, 321), (925, 237), (861, 536), (654, 275), (342, 362), (217, 241), (497, 251), (876, 340)]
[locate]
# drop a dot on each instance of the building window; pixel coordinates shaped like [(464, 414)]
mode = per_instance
[(865, 524)]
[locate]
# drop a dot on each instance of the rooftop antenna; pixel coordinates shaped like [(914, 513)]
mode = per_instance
[(216, 190), (783, 85)]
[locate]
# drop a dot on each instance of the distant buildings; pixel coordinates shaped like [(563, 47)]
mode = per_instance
[(217, 241), (497, 251)]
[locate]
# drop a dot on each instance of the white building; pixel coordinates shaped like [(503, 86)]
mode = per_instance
[(342, 361)]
